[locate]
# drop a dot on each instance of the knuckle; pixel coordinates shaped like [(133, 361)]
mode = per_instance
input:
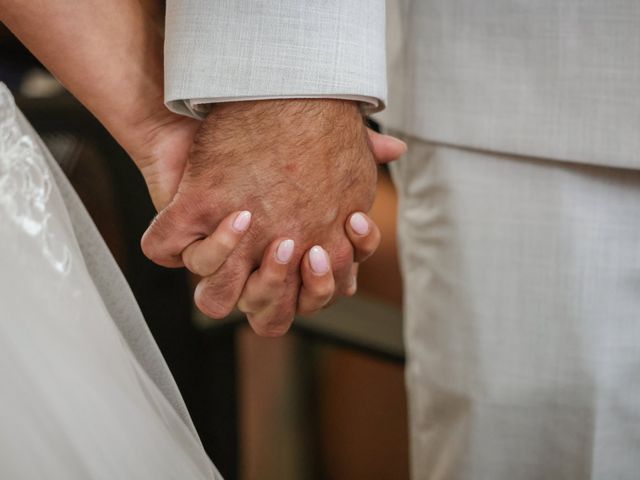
[(272, 327), (244, 306), (198, 269), (342, 277), (212, 305), (156, 249), (273, 279), (342, 256), (204, 266), (323, 291), (191, 263), (214, 308), (251, 304), (157, 256), (149, 246), (351, 291), (224, 242), (275, 320), (308, 311)]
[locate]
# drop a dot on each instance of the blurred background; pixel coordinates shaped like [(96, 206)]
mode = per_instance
[(327, 401)]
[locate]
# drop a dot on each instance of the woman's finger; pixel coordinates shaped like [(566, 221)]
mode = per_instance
[(364, 235), (318, 285), (204, 257), (263, 299), (385, 148)]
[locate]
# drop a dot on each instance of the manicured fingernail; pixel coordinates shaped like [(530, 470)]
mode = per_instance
[(242, 221), (285, 251), (319, 260), (359, 224)]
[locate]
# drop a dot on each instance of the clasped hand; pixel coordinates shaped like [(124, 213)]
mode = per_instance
[(269, 207)]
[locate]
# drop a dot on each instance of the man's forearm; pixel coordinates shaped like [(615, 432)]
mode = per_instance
[(107, 53)]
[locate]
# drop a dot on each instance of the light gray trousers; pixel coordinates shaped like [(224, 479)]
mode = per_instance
[(522, 301)]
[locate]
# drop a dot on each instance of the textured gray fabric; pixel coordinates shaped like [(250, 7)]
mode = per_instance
[(522, 315), (248, 49), (521, 273), (555, 79)]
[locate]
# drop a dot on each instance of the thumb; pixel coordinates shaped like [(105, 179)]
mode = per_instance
[(162, 182), (171, 231), (162, 158), (385, 148)]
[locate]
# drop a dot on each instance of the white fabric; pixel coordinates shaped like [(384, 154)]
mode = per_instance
[(77, 401), (249, 49), (522, 316)]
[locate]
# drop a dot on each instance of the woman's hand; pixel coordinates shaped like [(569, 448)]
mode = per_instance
[(109, 56), (265, 285)]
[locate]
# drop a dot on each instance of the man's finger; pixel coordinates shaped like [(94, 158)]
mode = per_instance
[(217, 294), (385, 148), (171, 232), (270, 293)]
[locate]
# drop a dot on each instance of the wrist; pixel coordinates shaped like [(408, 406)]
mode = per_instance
[(236, 129), (263, 112), (143, 128)]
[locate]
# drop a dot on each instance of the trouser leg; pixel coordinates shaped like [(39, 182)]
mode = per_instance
[(522, 300)]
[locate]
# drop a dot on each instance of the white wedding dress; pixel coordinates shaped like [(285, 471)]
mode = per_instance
[(84, 391)]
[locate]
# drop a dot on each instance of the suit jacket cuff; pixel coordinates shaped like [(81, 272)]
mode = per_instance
[(233, 50)]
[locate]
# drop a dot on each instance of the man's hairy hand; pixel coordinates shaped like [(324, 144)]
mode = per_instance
[(300, 166)]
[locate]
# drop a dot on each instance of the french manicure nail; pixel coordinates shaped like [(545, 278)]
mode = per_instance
[(319, 260), (242, 221), (359, 224), (285, 251)]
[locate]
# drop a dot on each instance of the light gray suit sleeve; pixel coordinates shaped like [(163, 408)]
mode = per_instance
[(230, 50)]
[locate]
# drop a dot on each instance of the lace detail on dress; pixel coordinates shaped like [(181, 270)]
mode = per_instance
[(25, 184)]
